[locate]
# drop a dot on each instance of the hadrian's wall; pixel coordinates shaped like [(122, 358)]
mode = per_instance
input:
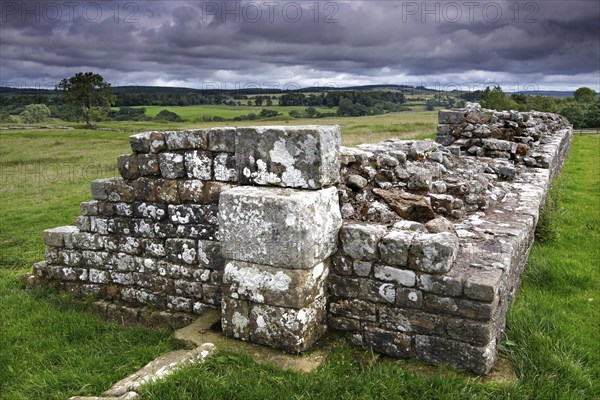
[(413, 247)]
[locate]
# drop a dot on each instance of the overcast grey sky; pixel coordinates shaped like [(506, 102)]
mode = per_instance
[(545, 45)]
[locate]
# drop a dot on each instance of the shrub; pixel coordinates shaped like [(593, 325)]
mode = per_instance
[(35, 113)]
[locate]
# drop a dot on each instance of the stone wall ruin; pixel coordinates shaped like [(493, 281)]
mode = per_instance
[(414, 248)]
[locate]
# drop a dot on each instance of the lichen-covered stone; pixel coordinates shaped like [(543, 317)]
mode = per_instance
[(222, 139), (235, 318), (181, 250), (224, 168), (274, 286), (433, 253), (394, 247), (183, 140), (171, 165), (190, 190), (360, 241), (286, 328), (402, 276), (288, 156), (148, 164), (128, 166), (147, 142), (279, 227), (483, 285), (199, 165)]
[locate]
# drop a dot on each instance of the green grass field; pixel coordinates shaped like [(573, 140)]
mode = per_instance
[(53, 349)]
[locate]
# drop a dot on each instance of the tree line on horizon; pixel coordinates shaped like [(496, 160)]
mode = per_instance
[(87, 97)]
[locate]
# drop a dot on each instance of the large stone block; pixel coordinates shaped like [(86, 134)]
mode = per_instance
[(182, 140), (458, 354), (274, 286), (288, 329), (393, 344), (450, 117), (433, 253), (292, 156), (279, 227), (394, 247), (147, 142), (360, 241)]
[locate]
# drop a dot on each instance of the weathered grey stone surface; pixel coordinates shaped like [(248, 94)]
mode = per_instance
[(434, 238), (282, 287), (433, 253), (288, 329), (279, 227), (296, 157)]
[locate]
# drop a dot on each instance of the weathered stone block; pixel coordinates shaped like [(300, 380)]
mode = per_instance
[(279, 227), (450, 117), (153, 211), (295, 156), (89, 208), (181, 250), (209, 255), (354, 309), (286, 328), (148, 164), (55, 237), (406, 297), (189, 213), (483, 285), (224, 168), (128, 166), (147, 142), (85, 241), (235, 318), (360, 241), (343, 324), (182, 140), (375, 291), (389, 343), (402, 276), (188, 289), (362, 268), (445, 285), (274, 286), (171, 165), (394, 247), (458, 354), (190, 190), (433, 253), (476, 333), (221, 139), (166, 191), (118, 189), (99, 188), (145, 189), (345, 287), (199, 164)]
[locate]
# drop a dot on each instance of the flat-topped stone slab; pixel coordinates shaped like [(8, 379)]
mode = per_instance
[(289, 156)]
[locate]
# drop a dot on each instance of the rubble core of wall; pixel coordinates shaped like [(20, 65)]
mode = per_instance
[(436, 235)]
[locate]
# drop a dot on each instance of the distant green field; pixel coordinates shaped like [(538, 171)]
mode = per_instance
[(229, 112)]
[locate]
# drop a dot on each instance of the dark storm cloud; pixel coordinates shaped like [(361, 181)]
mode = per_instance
[(190, 43)]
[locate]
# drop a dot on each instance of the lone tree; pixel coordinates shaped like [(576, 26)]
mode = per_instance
[(87, 97), (585, 95)]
